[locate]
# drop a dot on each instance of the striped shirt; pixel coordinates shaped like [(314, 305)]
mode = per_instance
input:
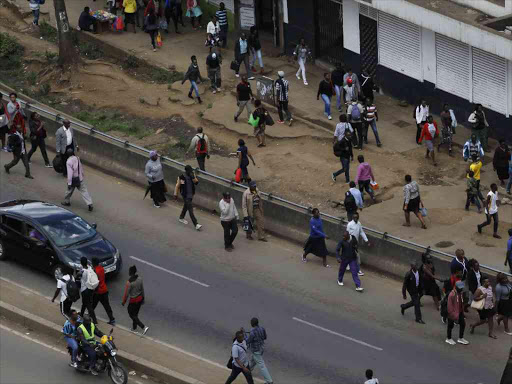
[(370, 112), (282, 88), (222, 17)]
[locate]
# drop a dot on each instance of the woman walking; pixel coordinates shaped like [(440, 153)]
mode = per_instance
[(316, 241), (429, 133), (325, 91), (412, 202), (259, 131), (4, 124), (244, 155), (194, 11), (428, 271), (16, 115), (487, 312), (504, 301), (134, 292), (194, 76), (151, 26), (155, 175), (37, 136), (301, 54), (500, 161)]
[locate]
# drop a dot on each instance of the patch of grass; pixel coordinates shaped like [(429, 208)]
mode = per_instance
[(105, 122), (210, 106), (131, 62), (11, 52), (32, 78), (162, 76), (90, 51), (51, 57), (48, 32), (44, 90)]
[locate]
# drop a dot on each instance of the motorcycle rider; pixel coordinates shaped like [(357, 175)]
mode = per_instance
[(86, 333), (70, 334)]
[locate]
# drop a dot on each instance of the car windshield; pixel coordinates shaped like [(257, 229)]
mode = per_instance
[(67, 230)]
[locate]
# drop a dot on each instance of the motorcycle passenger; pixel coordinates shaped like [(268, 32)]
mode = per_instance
[(70, 335), (86, 333)]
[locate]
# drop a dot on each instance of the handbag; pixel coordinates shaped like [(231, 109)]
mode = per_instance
[(254, 122), (424, 212), (478, 305), (3, 120), (75, 181), (57, 164), (247, 224), (235, 66), (269, 120), (238, 175), (159, 42)]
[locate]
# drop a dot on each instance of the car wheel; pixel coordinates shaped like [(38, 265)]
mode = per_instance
[(3, 251)]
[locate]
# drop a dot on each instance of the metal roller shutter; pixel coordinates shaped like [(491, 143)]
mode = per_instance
[(453, 66), (400, 45), (490, 80)]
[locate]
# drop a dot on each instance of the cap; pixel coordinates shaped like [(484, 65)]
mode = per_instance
[(280, 73), (153, 153), (252, 184), (349, 80), (459, 285)]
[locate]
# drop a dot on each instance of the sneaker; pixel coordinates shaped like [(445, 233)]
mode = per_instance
[(134, 331), (198, 227), (298, 76), (305, 83), (359, 289), (237, 75), (145, 330), (94, 372), (214, 91), (340, 283), (66, 204), (450, 341), (73, 364), (280, 121), (154, 49), (360, 273), (251, 78), (4, 149), (507, 333), (112, 322), (329, 117), (479, 228), (49, 166), (157, 206), (291, 121), (90, 207), (183, 221), (333, 177), (463, 341)]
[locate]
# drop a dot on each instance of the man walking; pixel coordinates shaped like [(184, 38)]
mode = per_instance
[(371, 117), (186, 186), (64, 140), (66, 301), (19, 151), (256, 342), (456, 314), (355, 229), (201, 144), (471, 148), (508, 256), (252, 208), (134, 294), (413, 283), (282, 88), (75, 176), (101, 293), (446, 132), (240, 360), (244, 97), (353, 201), (365, 177), (491, 211), (343, 149), (480, 126), (222, 18), (421, 114), (355, 117), (88, 283), (475, 167), (228, 219), (213, 62), (350, 76), (472, 192), (242, 55), (348, 259)]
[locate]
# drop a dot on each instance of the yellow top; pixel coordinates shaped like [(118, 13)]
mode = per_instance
[(130, 6), (475, 167)]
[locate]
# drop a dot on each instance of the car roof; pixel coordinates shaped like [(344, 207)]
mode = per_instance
[(34, 209)]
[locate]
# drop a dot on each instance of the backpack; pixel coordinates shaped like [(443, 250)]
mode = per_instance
[(414, 112), (336, 148), (356, 113), (202, 147), (350, 202), (72, 290), (92, 279)]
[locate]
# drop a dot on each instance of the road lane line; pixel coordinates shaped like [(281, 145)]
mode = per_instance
[(337, 334), (170, 272)]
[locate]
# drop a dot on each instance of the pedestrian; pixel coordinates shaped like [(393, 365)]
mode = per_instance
[(101, 293), (186, 186), (484, 292), (213, 29), (242, 56), (4, 124), (139, 13), (75, 175), (325, 90), (35, 8), (86, 22), (365, 177), (194, 12), (413, 284), (228, 218), (430, 132), (130, 10), (155, 175), (456, 314), (70, 335), (343, 150), (222, 17), (471, 148), (201, 144), (244, 97), (500, 161), (255, 48), (412, 202), (259, 130), (243, 154), (479, 125), (472, 192), (421, 113), (240, 362), (151, 27), (509, 184), (252, 207), (503, 300), (256, 343), (348, 259), (88, 283), (62, 276), (446, 131), (355, 229), (134, 294), (282, 96), (355, 116), (342, 127), (475, 167), (172, 7), (370, 378), (19, 151), (351, 92), (371, 117), (301, 54), (507, 372), (428, 273), (337, 81), (491, 211), (508, 255), (368, 86), (474, 278), (350, 76), (65, 139), (353, 201), (194, 76), (37, 136), (316, 240), (213, 62), (16, 114)]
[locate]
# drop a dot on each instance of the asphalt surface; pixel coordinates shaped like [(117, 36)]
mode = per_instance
[(198, 295)]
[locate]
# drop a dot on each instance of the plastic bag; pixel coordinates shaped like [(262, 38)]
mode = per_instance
[(424, 212), (254, 122), (238, 175), (163, 25), (118, 24), (374, 185), (159, 42)]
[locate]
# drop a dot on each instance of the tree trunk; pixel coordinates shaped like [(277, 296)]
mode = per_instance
[(67, 52)]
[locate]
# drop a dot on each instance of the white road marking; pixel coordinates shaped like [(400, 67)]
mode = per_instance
[(32, 339), (170, 272), (337, 334)]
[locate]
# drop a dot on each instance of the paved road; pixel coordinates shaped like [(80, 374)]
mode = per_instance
[(318, 332)]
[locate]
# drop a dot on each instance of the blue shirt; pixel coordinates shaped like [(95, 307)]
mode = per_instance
[(509, 248), (70, 329), (316, 228), (256, 339)]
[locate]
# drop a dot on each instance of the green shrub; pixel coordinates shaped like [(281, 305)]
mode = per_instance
[(162, 76), (51, 57), (48, 32), (131, 62), (10, 51), (89, 50)]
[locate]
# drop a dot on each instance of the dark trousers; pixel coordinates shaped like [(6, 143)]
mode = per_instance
[(187, 206), (244, 58), (103, 299), (152, 34), (415, 302), (494, 216), (91, 353), (462, 326), (234, 374), (350, 215), (364, 185), (39, 142), (87, 304), (201, 160), (65, 308), (419, 127), (283, 107), (345, 168), (16, 159), (472, 199), (358, 134), (224, 35), (64, 156), (230, 232), (354, 269), (133, 312)]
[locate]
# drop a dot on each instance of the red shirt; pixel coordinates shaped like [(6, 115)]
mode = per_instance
[(102, 287), (425, 132)]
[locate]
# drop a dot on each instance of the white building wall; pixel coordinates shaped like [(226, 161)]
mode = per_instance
[(488, 7), (351, 37), (509, 112), (428, 54)]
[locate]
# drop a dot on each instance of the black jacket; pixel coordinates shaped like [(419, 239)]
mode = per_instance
[(472, 281), (324, 88), (254, 41), (410, 284), (85, 21), (337, 77), (15, 143), (346, 148), (212, 63), (455, 266), (192, 74), (183, 187), (348, 250), (238, 55)]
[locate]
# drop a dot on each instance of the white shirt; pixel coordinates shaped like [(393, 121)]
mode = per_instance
[(213, 28), (62, 286), (83, 281), (228, 211), (478, 277), (421, 114), (372, 381), (22, 142), (494, 206), (417, 276), (340, 130), (356, 230), (69, 137)]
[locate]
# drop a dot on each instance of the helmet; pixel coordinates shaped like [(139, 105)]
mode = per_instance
[(104, 339)]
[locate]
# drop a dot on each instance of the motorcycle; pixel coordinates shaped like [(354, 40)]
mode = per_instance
[(106, 360)]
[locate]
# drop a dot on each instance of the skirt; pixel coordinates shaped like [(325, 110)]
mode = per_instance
[(431, 288), (486, 313), (194, 12), (414, 205), (505, 308), (158, 191), (502, 173), (316, 246)]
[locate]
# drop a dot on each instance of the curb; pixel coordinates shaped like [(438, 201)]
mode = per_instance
[(133, 362)]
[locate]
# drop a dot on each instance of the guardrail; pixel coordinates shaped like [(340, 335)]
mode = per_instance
[(383, 235)]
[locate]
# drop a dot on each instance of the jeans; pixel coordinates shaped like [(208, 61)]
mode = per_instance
[(283, 107), (364, 185), (201, 160), (345, 168), (373, 124), (509, 184), (358, 139), (235, 371), (244, 104), (187, 206), (472, 199), (327, 104), (193, 87), (91, 353), (103, 299), (39, 142), (74, 347), (257, 360), (224, 35), (230, 232), (302, 68), (36, 13), (415, 302), (256, 54), (494, 216), (462, 326), (133, 312), (244, 57), (87, 304), (23, 157), (354, 269), (419, 127), (339, 95)]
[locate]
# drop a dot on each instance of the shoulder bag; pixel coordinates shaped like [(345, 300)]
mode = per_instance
[(478, 304), (75, 181)]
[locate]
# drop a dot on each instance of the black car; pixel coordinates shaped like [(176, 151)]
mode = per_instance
[(46, 236)]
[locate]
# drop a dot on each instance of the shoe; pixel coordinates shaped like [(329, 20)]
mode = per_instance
[(90, 208), (450, 341), (156, 205), (263, 239), (379, 145), (237, 75), (49, 166), (463, 341), (479, 228), (112, 322), (305, 83), (298, 77), (199, 100), (145, 330), (507, 333), (198, 227), (291, 121), (443, 320), (29, 162), (236, 119), (249, 237), (340, 283), (214, 91), (228, 249), (333, 177), (360, 273), (72, 364), (251, 78), (66, 204), (134, 331), (183, 221), (496, 236), (4, 149), (190, 96), (29, 176), (253, 69), (154, 49), (420, 321), (402, 309), (280, 121), (6, 169), (93, 372), (359, 289), (329, 117)]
